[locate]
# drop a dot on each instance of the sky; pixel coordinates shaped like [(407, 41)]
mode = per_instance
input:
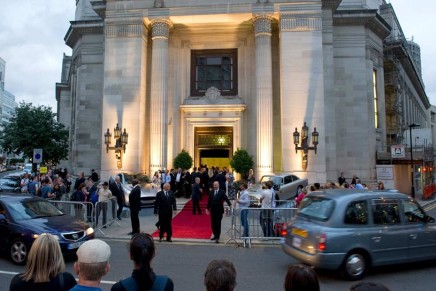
[(32, 44)]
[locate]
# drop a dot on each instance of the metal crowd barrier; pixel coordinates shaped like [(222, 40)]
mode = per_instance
[(101, 215), (78, 210), (263, 225), (105, 214)]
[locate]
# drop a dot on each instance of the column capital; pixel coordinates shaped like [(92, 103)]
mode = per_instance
[(262, 24), (160, 29)]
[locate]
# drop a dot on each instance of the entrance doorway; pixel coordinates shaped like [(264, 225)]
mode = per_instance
[(214, 146)]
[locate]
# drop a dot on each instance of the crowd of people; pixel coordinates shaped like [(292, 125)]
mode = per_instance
[(45, 270), (54, 184)]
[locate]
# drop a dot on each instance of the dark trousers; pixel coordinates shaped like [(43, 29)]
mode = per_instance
[(101, 206), (266, 222), (196, 206), (120, 203), (165, 226), (134, 218), (216, 224), (89, 212)]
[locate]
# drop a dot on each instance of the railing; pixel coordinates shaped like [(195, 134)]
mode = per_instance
[(260, 224), (99, 215)]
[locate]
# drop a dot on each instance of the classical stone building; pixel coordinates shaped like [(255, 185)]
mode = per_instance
[(213, 76)]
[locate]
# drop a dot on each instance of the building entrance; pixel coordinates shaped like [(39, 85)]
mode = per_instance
[(213, 146)]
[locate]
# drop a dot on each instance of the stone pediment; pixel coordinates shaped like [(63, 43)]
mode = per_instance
[(213, 97)]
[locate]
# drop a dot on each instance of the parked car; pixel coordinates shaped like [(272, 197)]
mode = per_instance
[(352, 230), (28, 168), (148, 190), (23, 218), (286, 186), (9, 185), (11, 168)]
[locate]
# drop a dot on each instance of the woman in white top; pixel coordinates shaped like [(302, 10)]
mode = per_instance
[(266, 213), (244, 203), (103, 197)]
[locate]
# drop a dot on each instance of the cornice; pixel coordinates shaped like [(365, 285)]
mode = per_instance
[(301, 21), (214, 108), (83, 27), (367, 17), (99, 7), (126, 29), (332, 4)]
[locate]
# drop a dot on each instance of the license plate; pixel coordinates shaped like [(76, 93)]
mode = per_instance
[(75, 245), (299, 232), (296, 242)]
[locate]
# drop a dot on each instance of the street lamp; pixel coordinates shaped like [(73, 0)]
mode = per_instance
[(304, 146), (121, 140), (413, 125)]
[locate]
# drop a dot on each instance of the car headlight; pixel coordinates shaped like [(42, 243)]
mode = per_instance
[(35, 236), (89, 231)]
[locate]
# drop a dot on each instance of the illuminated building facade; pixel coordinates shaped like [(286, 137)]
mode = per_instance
[(213, 76)]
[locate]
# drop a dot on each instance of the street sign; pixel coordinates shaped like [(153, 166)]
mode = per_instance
[(398, 151), (37, 156)]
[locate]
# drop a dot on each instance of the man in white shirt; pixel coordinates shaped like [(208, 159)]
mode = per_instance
[(244, 203)]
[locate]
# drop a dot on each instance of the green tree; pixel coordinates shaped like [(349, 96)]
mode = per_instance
[(241, 162), (35, 128), (183, 160)]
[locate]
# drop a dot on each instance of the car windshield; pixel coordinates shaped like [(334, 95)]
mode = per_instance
[(128, 178), (276, 180), (29, 209), (316, 208)]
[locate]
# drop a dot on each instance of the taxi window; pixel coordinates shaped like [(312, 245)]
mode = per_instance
[(356, 213), (385, 211), (412, 212), (318, 208)]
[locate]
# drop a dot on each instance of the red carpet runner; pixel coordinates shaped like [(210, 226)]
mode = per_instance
[(187, 225)]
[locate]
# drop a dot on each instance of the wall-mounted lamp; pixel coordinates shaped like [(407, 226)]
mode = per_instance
[(304, 146), (121, 140)]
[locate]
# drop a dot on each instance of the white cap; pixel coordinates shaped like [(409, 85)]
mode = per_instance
[(94, 251)]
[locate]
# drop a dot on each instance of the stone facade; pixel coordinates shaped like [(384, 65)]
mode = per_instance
[(297, 62)]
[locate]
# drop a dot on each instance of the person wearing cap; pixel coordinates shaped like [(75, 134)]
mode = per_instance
[(135, 206), (91, 265)]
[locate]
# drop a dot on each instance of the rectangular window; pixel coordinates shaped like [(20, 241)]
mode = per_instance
[(214, 68), (356, 213), (385, 211), (374, 84)]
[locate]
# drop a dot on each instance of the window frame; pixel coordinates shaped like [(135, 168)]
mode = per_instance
[(214, 52)]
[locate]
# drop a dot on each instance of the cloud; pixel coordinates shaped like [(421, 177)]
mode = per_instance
[(32, 44)]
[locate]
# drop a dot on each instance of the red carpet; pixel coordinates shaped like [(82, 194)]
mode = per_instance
[(187, 225)]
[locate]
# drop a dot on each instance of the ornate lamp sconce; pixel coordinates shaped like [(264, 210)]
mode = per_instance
[(121, 140), (304, 145)]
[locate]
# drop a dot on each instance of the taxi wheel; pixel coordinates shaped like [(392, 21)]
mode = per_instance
[(18, 252), (355, 266)]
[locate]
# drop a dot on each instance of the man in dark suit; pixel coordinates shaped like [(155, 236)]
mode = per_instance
[(196, 196), (135, 206), (204, 181), (221, 179), (216, 208), (164, 205), (117, 191)]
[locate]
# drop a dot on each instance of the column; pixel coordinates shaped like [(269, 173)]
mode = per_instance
[(159, 95), (264, 110)]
